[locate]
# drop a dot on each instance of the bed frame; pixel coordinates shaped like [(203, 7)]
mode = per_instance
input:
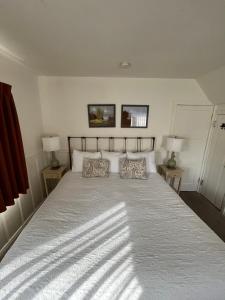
[(83, 142)]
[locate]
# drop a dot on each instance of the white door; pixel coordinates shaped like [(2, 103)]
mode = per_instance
[(213, 186), (193, 123)]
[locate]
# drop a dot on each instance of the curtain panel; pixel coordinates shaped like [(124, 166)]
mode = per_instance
[(13, 171)]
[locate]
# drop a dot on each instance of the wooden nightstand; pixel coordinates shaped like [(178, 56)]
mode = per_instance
[(171, 175), (52, 177)]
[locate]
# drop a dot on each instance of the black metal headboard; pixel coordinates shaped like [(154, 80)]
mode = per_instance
[(111, 140)]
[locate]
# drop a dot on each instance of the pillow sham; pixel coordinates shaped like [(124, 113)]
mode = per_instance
[(133, 168), (148, 155), (114, 158), (95, 168), (78, 157)]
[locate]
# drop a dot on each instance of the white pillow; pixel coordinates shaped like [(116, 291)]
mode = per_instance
[(114, 158), (78, 157), (148, 155)]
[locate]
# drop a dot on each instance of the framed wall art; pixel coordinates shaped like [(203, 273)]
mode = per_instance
[(134, 116), (101, 115)]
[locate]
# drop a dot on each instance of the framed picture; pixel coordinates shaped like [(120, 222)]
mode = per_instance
[(134, 116), (102, 115)]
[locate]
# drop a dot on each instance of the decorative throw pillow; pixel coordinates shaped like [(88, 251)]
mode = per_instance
[(133, 168), (78, 157), (148, 155), (95, 167)]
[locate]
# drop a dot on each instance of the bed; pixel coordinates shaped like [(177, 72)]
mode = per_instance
[(112, 238)]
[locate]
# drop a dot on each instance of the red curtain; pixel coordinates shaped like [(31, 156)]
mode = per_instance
[(13, 172)]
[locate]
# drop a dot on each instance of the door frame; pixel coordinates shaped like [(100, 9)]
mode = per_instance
[(219, 110), (208, 139), (207, 150)]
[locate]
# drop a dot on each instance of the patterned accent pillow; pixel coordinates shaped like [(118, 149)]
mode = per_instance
[(133, 168), (95, 168), (148, 155)]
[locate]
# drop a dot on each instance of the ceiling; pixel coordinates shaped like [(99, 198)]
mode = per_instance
[(161, 38)]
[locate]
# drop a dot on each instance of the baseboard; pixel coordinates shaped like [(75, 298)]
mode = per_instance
[(10, 242), (187, 187)]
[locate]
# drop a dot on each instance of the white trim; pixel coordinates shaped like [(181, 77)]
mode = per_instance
[(6, 247), (40, 178), (31, 160), (218, 110), (206, 151), (187, 186), (31, 194), (20, 208), (5, 226)]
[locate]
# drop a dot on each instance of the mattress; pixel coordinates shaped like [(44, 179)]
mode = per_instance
[(112, 238)]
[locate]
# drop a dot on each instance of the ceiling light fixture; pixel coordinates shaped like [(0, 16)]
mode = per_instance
[(125, 65)]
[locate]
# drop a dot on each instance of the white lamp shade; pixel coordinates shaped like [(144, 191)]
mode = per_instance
[(51, 143), (174, 144)]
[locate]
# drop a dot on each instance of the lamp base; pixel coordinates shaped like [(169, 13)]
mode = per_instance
[(54, 162), (171, 163)]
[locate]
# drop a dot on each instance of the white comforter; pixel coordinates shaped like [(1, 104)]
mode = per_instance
[(114, 239)]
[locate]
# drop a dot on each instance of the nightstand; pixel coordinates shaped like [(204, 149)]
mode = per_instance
[(52, 177), (171, 175)]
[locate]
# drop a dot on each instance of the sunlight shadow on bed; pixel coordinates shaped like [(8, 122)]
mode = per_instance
[(82, 234), (94, 261)]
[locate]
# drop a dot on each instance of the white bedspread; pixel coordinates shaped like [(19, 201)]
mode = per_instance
[(114, 239)]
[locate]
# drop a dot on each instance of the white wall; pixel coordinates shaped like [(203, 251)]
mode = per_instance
[(26, 97), (64, 103), (213, 84)]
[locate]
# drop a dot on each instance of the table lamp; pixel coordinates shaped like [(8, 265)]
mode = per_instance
[(174, 144), (52, 144)]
